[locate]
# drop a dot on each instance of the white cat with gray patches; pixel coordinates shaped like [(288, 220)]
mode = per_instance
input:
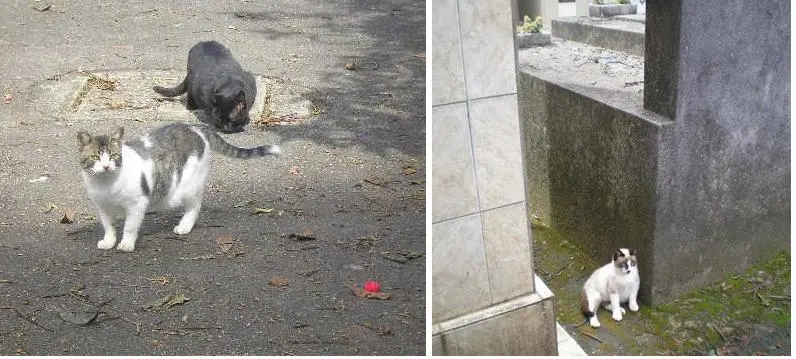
[(165, 169), (612, 284)]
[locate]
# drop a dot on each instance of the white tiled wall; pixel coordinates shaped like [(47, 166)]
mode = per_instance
[(480, 233)]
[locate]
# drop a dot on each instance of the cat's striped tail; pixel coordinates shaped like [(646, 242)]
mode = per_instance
[(219, 145)]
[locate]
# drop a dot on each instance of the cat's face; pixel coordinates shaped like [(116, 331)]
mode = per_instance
[(100, 155), (232, 111), (625, 260)]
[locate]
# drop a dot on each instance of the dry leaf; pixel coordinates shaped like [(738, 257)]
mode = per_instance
[(377, 181), (409, 170), (167, 301), (225, 243), (294, 170), (69, 216), (306, 235), (163, 279), (351, 66), (278, 281), (361, 293), (261, 210), (411, 254)]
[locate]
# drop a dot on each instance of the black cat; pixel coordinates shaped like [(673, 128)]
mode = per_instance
[(218, 85)]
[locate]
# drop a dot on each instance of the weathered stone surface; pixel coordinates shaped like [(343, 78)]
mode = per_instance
[(724, 182), (702, 189), (611, 10), (592, 165), (626, 36), (525, 40), (522, 326)]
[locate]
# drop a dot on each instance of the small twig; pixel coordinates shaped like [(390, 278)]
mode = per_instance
[(579, 324), (562, 270), (787, 297), (395, 258), (753, 289), (591, 336), (723, 337)]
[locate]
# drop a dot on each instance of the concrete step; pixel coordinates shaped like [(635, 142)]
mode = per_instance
[(625, 33)]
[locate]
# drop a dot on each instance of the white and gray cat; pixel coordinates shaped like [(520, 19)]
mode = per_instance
[(162, 170), (614, 283)]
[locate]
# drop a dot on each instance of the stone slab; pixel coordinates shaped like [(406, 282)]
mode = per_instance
[(626, 36), (522, 326), (123, 94), (525, 40), (639, 18), (611, 10)]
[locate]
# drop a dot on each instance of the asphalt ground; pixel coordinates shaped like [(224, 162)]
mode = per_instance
[(344, 204)]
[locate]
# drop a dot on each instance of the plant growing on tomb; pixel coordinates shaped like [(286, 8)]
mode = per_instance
[(530, 26)]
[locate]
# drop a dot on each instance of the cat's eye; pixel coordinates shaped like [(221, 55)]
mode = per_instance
[(94, 157), (115, 156)]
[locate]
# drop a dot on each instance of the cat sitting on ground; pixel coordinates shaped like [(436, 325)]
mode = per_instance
[(217, 85), (164, 169), (614, 283)]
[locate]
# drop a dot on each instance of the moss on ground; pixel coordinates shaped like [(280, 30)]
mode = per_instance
[(697, 322)]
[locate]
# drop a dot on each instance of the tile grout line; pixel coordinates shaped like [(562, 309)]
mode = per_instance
[(472, 145)]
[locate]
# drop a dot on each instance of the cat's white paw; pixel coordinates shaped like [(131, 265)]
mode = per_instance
[(633, 306), (617, 316), (183, 229), (610, 308), (126, 246), (594, 322), (107, 242)]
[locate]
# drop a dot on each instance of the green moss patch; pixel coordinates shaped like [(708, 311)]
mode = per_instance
[(698, 322)]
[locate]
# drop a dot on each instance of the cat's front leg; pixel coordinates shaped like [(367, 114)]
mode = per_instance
[(632, 303), (615, 306), (109, 239), (132, 223)]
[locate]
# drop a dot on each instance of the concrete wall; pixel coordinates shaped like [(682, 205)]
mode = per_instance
[(703, 188), (593, 166), (725, 184)]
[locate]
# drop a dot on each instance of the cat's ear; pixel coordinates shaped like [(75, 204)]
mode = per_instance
[(83, 138), (117, 134), (618, 254), (632, 252)]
